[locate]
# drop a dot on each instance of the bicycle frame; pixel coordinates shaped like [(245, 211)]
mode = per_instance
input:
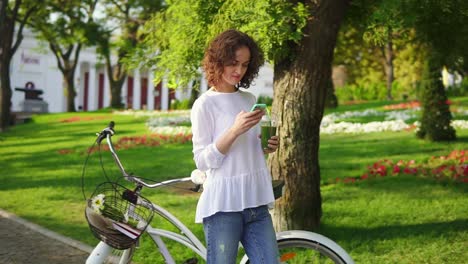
[(187, 238)]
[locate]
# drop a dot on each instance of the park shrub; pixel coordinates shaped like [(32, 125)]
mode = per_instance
[(180, 104), (361, 91), (436, 116), (459, 89), (402, 92), (265, 99)]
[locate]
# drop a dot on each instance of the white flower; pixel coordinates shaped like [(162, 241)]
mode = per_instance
[(143, 113), (346, 127), (460, 124), (171, 130), (97, 203)]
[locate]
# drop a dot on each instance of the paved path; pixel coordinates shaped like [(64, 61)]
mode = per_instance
[(22, 242)]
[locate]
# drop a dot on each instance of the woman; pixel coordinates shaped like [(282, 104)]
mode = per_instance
[(234, 204)]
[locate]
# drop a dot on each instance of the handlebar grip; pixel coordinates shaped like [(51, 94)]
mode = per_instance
[(109, 130)]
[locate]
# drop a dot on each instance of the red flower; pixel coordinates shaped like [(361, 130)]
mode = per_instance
[(407, 170)]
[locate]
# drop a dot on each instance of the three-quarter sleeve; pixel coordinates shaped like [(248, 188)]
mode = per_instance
[(205, 153)]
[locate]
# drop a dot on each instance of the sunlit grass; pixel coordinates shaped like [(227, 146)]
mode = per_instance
[(387, 220)]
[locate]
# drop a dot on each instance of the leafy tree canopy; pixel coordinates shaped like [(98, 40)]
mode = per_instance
[(176, 38)]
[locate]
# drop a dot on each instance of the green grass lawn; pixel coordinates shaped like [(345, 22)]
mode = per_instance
[(387, 220)]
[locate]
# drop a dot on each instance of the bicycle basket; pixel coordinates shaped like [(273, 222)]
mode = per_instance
[(115, 220)]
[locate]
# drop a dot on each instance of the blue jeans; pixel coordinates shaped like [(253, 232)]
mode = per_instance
[(252, 227)]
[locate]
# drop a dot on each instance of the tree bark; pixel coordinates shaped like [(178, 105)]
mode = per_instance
[(69, 77), (7, 27), (116, 75), (116, 92), (7, 50), (388, 57), (5, 92), (299, 98), (67, 66)]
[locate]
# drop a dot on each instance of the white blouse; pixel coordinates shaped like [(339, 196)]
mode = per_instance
[(240, 178)]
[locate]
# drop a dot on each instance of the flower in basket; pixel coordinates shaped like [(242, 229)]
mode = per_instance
[(99, 205)]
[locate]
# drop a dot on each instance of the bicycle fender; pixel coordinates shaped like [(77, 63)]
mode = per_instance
[(99, 254), (307, 235), (311, 236)]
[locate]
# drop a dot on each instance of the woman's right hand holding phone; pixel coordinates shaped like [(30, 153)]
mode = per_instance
[(243, 122), (246, 120)]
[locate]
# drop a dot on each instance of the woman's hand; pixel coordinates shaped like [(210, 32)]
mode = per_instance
[(273, 144), (245, 121)]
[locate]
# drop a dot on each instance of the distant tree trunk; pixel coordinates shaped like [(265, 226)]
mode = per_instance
[(67, 65), (69, 76), (5, 89), (299, 98), (5, 93), (116, 75), (331, 101), (194, 92), (388, 57), (116, 92), (436, 116), (7, 28), (8, 46)]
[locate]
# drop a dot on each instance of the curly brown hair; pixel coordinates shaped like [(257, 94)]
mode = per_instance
[(222, 51)]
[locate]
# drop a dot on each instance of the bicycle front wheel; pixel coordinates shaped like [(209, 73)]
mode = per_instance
[(123, 256)]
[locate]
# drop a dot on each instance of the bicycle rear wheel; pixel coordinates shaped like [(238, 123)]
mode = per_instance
[(298, 250), (306, 251)]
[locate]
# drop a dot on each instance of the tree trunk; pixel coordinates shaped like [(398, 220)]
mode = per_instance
[(116, 77), (116, 92), (194, 93), (388, 56), (5, 94), (69, 76), (67, 67), (299, 97), (7, 27)]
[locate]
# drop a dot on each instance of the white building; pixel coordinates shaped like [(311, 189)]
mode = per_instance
[(34, 62)]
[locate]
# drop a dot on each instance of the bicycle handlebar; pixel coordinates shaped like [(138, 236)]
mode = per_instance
[(109, 130), (107, 133)]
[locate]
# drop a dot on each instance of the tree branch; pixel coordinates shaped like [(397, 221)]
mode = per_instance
[(19, 34), (58, 54)]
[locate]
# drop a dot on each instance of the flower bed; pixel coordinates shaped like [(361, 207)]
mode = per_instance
[(453, 167), (74, 119), (145, 140)]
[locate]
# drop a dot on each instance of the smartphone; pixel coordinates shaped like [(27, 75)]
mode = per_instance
[(258, 106)]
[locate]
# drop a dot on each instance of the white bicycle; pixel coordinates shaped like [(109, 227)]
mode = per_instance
[(296, 246)]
